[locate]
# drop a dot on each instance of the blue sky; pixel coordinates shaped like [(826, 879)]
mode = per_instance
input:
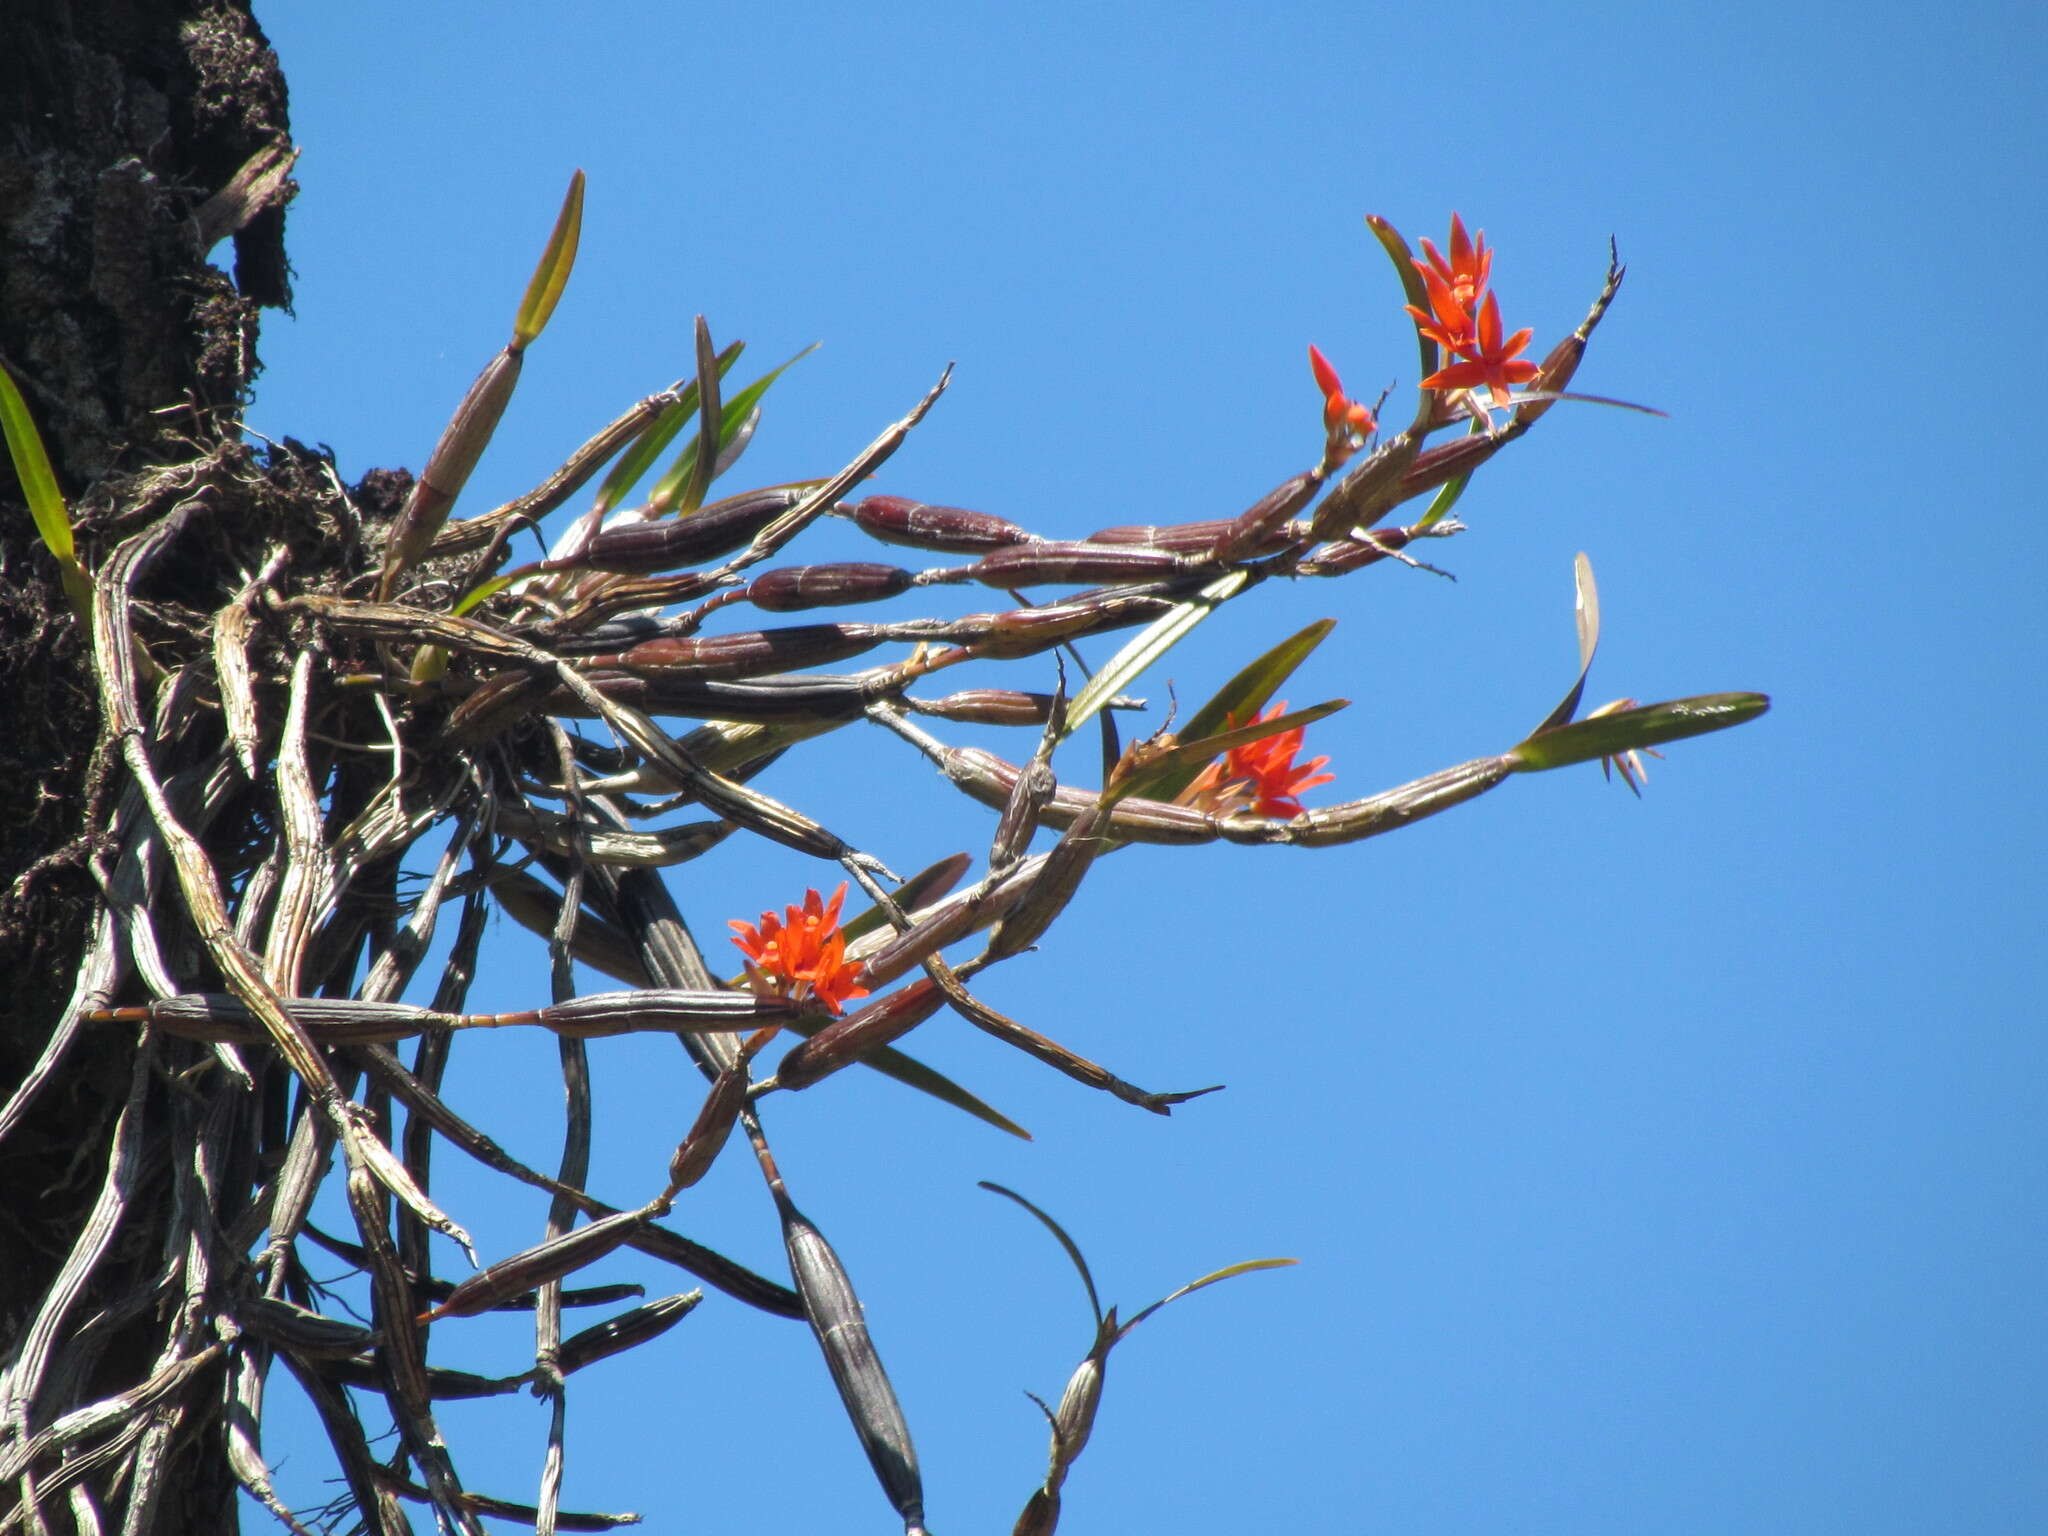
[(1668, 1166)]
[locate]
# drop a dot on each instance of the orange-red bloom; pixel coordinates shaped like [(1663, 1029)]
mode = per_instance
[(1455, 286), (1341, 413), (1486, 360), (801, 955), (1464, 319), (1261, 775)]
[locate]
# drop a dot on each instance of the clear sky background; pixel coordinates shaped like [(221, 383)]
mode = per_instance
[(1670, 1166)]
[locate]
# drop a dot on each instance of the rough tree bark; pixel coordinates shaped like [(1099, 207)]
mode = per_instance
[(123, 127)]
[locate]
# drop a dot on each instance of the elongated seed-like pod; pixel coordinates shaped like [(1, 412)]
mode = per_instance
[(1380, 813), (1054, 883), (615, 1013), (986, 706), (826, 586), (749, 653), (1074, 1420), (1034, 787), (989, 779), (1021, 631), (707, 1135), (1060, 560), (1253, 530), (1443, 462), (1198, 538), (328, 1020), (310, 1335), (625, 1331), (920, 525), (906, 951), (845, 1041), (800, 699), (840, 1323), (637, 549), (537, 1265), (442, 1384), (1347, 555), (461, 444)]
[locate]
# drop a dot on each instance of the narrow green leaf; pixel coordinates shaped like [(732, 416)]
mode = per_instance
[(1446, 498), (545, 287), (637, 459), (480, 593), (45, 501), (1073, 1251), (1229, 1271), (1586, 610), (1633, 729), (32, 468), (912, 1073), (736, 411), (1411, 282), (1148, 645), (711, 419)]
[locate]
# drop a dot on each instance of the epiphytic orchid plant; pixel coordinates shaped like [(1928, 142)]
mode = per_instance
[(533, 713)]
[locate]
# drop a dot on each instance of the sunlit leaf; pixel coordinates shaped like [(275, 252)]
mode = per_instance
[(45, 501), (1229, 1271), (1148, 645), (1631, 730), (1411, 282), (1586, 610), (552, 275)]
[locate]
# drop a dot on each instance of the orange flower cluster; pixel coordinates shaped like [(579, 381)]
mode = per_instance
[(1261, 775), (1464, 319), (801, 955)]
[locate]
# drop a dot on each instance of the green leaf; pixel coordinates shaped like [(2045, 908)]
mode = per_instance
[(1243, 696), (45, 501), (32, 468), (912, 1073), (736, 411), (1411, 282), (1148, 645), (1630, 730), (481, 593), (1059, 1232), (1586, 609), (1229, 1271), (545, 287), (1446, 498), (637, 459)]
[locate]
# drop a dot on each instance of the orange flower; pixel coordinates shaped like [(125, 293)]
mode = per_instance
[(1455, 286), (1485, 359), (1346, 423), (1261, 775), (801, 955)]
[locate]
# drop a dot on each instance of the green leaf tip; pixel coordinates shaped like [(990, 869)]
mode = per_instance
[(552, 275)]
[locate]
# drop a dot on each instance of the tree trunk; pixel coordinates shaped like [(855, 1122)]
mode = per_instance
[(123, 127)]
